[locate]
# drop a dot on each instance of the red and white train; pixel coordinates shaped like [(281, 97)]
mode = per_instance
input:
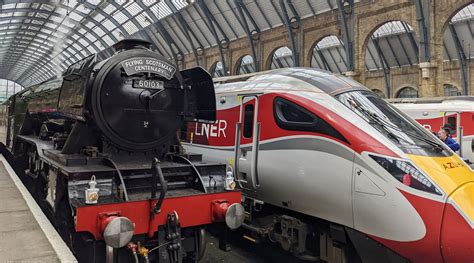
[(331, 171), (434, 113)]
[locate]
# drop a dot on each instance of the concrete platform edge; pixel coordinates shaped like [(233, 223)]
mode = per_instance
[(63, 252)]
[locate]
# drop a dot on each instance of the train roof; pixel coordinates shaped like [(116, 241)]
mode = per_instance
[(288, 79), (461, 103), (431, 100)]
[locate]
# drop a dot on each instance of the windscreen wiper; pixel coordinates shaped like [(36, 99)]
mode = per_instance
[(433, 143)]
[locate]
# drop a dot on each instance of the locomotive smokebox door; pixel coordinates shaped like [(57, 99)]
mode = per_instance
[(138, 102)]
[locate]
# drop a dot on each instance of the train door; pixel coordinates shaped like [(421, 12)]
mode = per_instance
[(453, 119), (247, 139)]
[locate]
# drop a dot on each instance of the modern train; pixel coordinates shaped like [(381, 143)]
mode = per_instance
[(435, 113), (332, 172), (99, 151)]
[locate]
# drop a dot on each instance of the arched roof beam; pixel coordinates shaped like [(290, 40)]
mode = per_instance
[(174, 48), (347, 29), (86, 18), (384, 63), (212, 24), (263, 15), (393, 52), (422, 16), (188, 33), (461, 57), (36, 40), (334, 60), (404, 49), (54, 30), (243, 12), (412, 40), (287, 21)]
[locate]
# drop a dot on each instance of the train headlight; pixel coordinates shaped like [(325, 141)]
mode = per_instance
[(407, 174)]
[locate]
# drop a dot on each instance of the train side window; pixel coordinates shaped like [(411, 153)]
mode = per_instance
[(452, 122), (290, 116), (248, 120)]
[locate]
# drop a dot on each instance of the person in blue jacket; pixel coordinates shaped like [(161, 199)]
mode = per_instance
[(443, 135)]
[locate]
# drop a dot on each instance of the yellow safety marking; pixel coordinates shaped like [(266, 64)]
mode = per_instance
[(447, 172), (250, 239), (463, 200), (450, 173)]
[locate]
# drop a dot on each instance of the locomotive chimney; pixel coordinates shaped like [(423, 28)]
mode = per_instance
[(131, 44)]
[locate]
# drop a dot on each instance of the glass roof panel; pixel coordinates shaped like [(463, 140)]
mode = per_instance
[(21, 5), (466, 13), (133, 8), (108, 24), (8, 6), (91, 37), (329, 41), (108, 40), (56, 19), (120, 17), (130, 27), (91, 50), (98, 17), (89, 24), (143, 19), (75, 16), (161, 9), (83, 42), (391, 28), (149, 2), (179, 4), (108, 8), (98, 31), (118, 34)]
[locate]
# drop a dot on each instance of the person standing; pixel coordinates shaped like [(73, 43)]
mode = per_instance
[(443, 135)]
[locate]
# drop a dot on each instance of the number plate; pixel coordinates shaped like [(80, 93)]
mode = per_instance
[(148, 84)]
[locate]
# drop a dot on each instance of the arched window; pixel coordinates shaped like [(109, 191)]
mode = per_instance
[(8, 88), (407, 92), (458, 35), (282, 58), (451, 90), (391, 46), (246, 65), (217, 70), (379, 92), (329, 54)]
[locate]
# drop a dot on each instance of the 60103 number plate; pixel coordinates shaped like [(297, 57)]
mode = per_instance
[(148, 84)]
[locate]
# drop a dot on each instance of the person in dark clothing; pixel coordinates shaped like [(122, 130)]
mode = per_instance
[(443, 135)]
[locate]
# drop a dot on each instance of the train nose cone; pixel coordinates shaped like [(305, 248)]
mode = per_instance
[(457, 231)]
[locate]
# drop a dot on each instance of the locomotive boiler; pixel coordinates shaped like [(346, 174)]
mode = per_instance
[(99, 151)]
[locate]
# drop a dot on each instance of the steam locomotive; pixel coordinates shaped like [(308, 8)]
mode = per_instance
[(99, 151), (330, 171)]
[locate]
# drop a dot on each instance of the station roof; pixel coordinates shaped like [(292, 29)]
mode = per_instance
[(40, 39), (396, 44)]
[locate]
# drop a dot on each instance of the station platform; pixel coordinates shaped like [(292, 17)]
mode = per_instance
[(26, 235)]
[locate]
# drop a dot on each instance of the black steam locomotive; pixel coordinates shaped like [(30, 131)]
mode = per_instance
[(99, 151)]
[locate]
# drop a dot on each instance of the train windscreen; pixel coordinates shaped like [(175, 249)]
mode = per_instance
[(408, 135)]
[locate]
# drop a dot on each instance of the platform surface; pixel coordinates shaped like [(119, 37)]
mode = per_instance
[(26, 235)]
